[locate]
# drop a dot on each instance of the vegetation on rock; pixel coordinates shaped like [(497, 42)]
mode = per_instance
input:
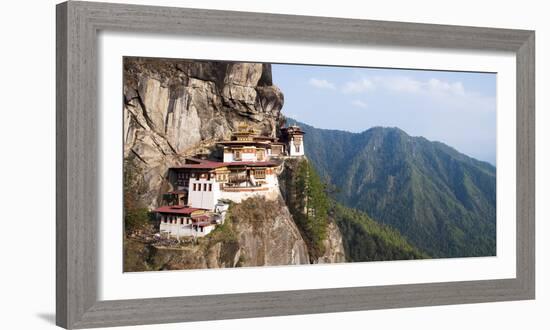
[(136, 214), (305, 195)]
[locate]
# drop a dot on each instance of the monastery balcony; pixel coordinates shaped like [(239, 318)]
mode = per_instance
[(248, 188)]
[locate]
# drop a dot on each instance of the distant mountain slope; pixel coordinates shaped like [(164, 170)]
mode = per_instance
[(327, 226), (367, 240), (444, 202)]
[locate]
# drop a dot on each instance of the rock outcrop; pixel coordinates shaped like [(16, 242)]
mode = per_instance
[(267, 234), (257, 232), (334, 246), (176, 108)]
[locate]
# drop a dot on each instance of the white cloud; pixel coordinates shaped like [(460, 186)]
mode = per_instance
[(321, 83), (359, 104), (359, 86), (439, 86), (403, 84)]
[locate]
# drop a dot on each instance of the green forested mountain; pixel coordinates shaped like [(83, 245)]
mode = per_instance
[(442, 201), (367, 240), (363, 239)]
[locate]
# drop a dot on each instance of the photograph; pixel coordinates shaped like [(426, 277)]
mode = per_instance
[(236, 164)]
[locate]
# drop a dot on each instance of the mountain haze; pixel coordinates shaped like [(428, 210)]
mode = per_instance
[(442, 201)]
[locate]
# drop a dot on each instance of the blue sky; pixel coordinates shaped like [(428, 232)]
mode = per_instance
[(456, 108)]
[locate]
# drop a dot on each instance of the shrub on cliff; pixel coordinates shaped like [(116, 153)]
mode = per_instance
[(136, 215)]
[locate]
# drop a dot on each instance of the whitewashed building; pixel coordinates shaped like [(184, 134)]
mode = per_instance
[(294, 138), (249, 168), (181, 221)]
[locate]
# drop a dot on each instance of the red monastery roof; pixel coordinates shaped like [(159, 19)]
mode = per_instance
[(254, 142), (176, 209), (294, 129), (203, 217), (250, 163), (204, 165), (212, 165)]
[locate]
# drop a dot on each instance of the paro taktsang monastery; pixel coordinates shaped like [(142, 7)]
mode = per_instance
[(249, 168)]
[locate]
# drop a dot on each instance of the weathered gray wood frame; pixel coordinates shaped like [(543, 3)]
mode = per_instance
[(77, 152)]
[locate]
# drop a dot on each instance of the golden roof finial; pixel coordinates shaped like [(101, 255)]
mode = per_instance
[(242, 127)]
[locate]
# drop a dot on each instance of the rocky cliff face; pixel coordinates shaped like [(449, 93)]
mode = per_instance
[(257, 232), (266, 234), (334, 246), (176, 108)]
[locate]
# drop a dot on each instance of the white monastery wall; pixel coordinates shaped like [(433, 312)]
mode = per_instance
[(292, 148), (203, 198), (227, 157)]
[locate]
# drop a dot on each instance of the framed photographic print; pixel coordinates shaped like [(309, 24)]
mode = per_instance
[(216, 165)]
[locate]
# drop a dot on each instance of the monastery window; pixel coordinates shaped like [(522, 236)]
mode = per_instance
[(194, 187), (204, 184), (237, 155), (209, 187), (199, 186), (259, 174)]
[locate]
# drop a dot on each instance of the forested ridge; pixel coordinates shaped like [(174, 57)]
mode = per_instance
[(443, 202)]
